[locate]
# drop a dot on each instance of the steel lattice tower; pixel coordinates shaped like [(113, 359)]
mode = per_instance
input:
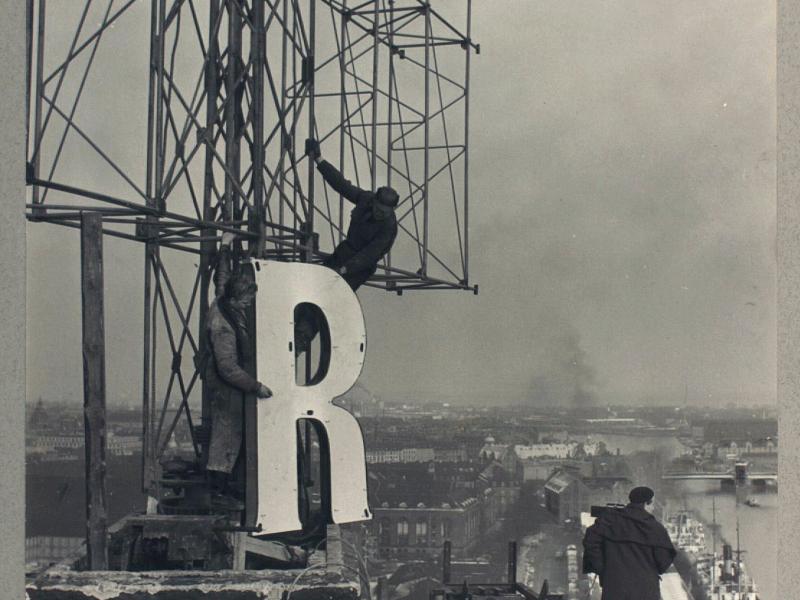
[(229, 91)]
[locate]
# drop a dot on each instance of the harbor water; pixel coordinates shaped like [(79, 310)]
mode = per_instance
[(758, 526)]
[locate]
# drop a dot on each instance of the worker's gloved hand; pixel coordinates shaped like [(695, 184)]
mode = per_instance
[(227, 238), (312, 149), (263, 391)]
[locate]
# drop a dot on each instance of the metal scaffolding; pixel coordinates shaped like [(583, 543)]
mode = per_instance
[(233, 87)]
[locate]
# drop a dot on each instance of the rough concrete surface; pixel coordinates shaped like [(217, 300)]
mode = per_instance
[(331, 578)]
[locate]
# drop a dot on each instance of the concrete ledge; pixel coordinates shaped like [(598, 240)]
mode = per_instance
[(180, 585), (327, 579)]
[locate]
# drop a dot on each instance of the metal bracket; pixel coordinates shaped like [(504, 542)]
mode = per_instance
[(203, 135), (308, 70), (144, 230)]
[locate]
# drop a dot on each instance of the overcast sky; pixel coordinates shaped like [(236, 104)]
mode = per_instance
[(622, 223)]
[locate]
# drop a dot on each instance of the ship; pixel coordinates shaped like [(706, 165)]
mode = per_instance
[(687, 534), (724, 577)]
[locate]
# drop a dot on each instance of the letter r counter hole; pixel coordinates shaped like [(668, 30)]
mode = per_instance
[(312, 332)]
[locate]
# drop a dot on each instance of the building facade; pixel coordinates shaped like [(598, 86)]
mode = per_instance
[(404, 532)]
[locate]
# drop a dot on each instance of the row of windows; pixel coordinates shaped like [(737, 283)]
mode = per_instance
[(441, 528), (421, 528)]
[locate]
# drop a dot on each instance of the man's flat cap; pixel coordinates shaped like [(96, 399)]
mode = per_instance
[(641, 495)]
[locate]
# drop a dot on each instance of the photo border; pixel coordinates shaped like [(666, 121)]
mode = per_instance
[(13, 276)]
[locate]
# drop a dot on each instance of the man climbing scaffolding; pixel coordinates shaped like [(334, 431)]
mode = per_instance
[(373, 225), (372, 231), (229, 342)]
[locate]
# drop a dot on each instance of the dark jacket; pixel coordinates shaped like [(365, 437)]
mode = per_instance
[(629, 549), (227, 333), (227, 336), (368, 238), (227, 382), (228, 342)]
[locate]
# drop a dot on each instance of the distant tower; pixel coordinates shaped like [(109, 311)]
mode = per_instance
[(38, 419)]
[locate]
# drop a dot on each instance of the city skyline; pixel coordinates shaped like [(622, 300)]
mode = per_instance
[(498, 478)]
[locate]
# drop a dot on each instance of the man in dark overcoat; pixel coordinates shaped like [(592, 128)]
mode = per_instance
[(628, 549), (229, 341)]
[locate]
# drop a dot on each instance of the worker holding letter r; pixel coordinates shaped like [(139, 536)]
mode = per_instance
[(229, 343)]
